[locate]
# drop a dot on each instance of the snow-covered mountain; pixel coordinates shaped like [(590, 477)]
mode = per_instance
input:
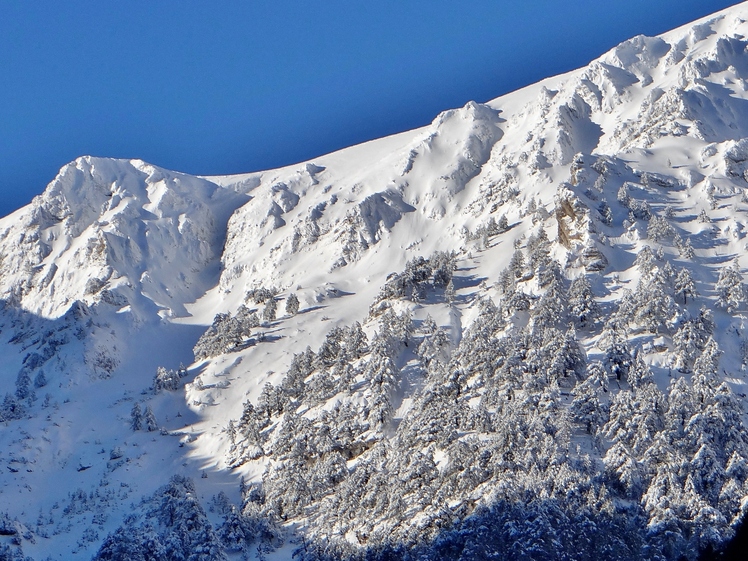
[(518, 332)]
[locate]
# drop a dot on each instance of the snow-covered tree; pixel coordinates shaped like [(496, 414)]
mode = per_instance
[(165, 380), (731, 291), (583, 308), (149, 419), (271, 307), (517, 264), (616, 352), (606, 214), (659, 229), (24, 387), (705, 370), (225, 335), (136, 417), (685, 249), (292, 304), (653, 306), (684, 285), (551, 308), (645, 261), (586, 408), (503, 224), (40, 380)]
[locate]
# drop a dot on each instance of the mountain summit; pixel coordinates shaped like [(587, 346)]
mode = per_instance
[(517, 332)]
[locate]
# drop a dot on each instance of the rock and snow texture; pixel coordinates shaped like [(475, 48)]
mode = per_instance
[(121, 232), (572, 344)]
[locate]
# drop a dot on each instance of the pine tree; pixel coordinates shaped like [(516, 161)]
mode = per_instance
[(247, 320), (517, 264), (705, 371), (503, 224), (356, 342), (268, 314), (226, 334), (653, 305), (617, 353), (23, 384), (645, 262), (623, 196), (149, 419), (687, 344), (136, 417), (684, 285), (165, 380), (582, 305), (606, 214), (685, 249), (731, 292), (551, 307), (586, 408), (659, 229), (292, 304), (40, 380), (449, 292)]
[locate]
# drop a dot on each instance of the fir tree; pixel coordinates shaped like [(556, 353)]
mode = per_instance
[(268, 314), (40, 380), (149, 420), (136, 417), (582, 305), (731, 292), (503, 224), (684, 285), (292, 304)]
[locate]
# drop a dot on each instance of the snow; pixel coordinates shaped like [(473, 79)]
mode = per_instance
[(155, 255)]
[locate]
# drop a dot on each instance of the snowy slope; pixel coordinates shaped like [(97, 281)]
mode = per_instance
[(119, 267)]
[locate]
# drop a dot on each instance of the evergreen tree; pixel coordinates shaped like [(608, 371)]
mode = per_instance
[(645, 262), (684, 285), (705, 371), (136, 417), (449, 292), (292, 304), (617, 353), (731, 292), (551, 307), (149, 419), (165, 380), (606, 214), (226, 334), (23, 384), (659, 229), (685, 249), (517, 264), (40, 380), (687, 344), (653, 305), (356, 342), (268, 314), (582, 305)]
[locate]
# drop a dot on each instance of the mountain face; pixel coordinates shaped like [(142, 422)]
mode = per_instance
[(518, 332)]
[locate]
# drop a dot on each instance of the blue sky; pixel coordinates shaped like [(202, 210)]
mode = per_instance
[(226, 87)]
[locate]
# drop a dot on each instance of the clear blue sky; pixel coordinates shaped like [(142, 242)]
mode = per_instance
[(226, 87)]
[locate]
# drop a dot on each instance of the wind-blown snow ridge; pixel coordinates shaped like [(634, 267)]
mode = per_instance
[(493, 334)]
